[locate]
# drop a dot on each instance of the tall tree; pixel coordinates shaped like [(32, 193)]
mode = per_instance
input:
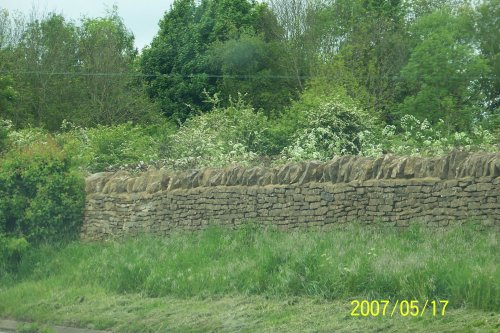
[(374, 48), (442, 77), (64, 70), (300, 36), (7, 94), (201, 47), (488, 37), (106, 60), (47, 50)]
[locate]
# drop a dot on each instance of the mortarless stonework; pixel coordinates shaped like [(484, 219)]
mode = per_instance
[(393, 190)]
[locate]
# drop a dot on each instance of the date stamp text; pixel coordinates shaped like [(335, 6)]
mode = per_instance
[(404, 308)]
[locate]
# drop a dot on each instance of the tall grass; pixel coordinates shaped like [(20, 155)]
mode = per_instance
[(456, 264)]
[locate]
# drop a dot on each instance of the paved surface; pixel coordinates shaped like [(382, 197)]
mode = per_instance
[(9, 326)]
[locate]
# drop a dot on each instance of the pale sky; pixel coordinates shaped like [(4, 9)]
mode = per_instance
[(140, 17)]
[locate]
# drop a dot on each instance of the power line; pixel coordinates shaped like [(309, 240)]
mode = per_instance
[(184, 76), (190, 76)]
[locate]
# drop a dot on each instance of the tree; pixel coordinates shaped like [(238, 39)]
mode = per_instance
[(299, 34), (442, 77), (359, 45), (7, 94), (47, 49), (488, 36), (106, 60), (183, 59), (370, 47), (82, 73), (255, 69)]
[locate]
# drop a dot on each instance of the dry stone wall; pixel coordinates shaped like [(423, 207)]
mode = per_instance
[(392, 190)]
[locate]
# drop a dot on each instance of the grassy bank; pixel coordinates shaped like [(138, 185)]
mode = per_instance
[(114, 284)]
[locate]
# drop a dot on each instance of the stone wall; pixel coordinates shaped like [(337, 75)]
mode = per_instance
[(389, 189)]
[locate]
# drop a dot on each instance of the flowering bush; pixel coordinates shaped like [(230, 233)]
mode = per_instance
[(221, 137), (25, 138), (415, 137), (328, 130)]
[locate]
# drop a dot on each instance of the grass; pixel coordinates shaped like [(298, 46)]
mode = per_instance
[(255, 280)]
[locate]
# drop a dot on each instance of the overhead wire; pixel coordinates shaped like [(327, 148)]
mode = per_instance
[(190, 76)]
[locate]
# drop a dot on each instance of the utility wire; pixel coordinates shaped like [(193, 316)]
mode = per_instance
[(189, 76), (184, 76)]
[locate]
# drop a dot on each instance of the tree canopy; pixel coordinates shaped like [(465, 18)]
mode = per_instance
[(226, 46), (434, 60)]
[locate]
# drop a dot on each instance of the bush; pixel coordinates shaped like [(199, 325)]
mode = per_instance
[(326, 129), (281, 131), (221, 137), (415, 137), (112, 147), (41, 197), (5, 127)]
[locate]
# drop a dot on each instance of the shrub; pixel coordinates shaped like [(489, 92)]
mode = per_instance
[(41, 197), (415, 137), (27, 137), (281, 131), (112, 147), (5, 127), (328, 129), (221, 137)]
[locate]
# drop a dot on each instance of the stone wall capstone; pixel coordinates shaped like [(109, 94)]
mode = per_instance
[(393, 190)]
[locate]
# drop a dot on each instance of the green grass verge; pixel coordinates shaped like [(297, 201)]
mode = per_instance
[(98, 309), (256, 280)]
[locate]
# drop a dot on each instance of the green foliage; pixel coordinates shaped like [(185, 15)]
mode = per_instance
[(11, 251), (47, 45), (107, 46), (34, 328), (41, 198), (488, 36), (364, 70), (441, 79), (329, 126), (5, 127), (112, 147), (54, 62), (255, 68), (415, 137), (210, 46), (281, 131), (26, 138), (7, 95), (221, 137), (119, 145)]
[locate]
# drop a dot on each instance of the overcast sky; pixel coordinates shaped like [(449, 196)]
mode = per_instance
[(141, 17)]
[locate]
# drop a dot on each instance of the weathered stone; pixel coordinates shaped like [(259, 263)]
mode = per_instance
[(158, 180), (117, 183), (392, 189), (294, 173), (331, 170), (312, 171), (384, 166), (327, 196), (399, 168), (194, 178), (96, 182), (255, 176)]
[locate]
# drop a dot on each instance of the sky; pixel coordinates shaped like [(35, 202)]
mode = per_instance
[(140, 17)]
